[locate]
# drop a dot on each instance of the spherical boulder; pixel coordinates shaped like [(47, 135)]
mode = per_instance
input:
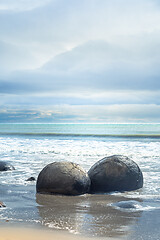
[(5, 166), (115, 173), (2, 205), (64, 178)]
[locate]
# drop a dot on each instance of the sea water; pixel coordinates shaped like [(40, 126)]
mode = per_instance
[(30, 147)]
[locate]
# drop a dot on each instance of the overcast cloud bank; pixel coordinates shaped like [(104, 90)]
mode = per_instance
[(90, 61)]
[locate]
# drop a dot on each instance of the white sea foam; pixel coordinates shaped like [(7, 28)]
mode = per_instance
[(29, 156)]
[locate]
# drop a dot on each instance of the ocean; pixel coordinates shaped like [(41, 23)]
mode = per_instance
[(30, 147)]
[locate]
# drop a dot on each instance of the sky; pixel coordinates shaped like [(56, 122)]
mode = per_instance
[(80, 61)]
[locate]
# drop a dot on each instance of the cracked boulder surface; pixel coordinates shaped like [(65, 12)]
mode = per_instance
[(115, 173), (64, 178)]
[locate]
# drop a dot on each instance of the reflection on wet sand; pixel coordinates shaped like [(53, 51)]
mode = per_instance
[(90, 215)]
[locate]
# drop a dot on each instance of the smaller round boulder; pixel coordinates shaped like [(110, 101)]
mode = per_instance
[(115, 173), (64, 178), (31, 179), (2, 205), (129, 205), (5, 166)]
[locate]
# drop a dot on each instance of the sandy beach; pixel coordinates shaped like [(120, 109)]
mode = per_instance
[(15, 233), (109, 217), (86, 216), (146, 226), (116, 216), (34, 234)]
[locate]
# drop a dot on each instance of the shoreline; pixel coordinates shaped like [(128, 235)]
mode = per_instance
[(115, 216), (34, 233)]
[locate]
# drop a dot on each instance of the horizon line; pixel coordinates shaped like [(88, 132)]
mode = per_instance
[(79, 123)]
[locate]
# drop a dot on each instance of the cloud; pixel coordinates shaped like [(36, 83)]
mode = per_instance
[(14, 58), (62, 25), (88, 113), (87, 97), (19, 5), (86, 53), (93, 66)]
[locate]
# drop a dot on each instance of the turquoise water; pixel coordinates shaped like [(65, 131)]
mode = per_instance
[(99, 130)]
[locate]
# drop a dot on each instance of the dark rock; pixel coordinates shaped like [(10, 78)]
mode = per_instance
[(5, 166), (65, 178), (2, 205), (132, 204), (115, 173), (31, 179)]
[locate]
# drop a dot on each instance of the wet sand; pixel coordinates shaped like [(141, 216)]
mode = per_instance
[(109, 217), (34, 234), (85, 215), (88, 215), (15, 233)]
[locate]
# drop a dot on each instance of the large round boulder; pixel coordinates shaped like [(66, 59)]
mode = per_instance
[(5, 166), (65, 178), (115, 173)]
